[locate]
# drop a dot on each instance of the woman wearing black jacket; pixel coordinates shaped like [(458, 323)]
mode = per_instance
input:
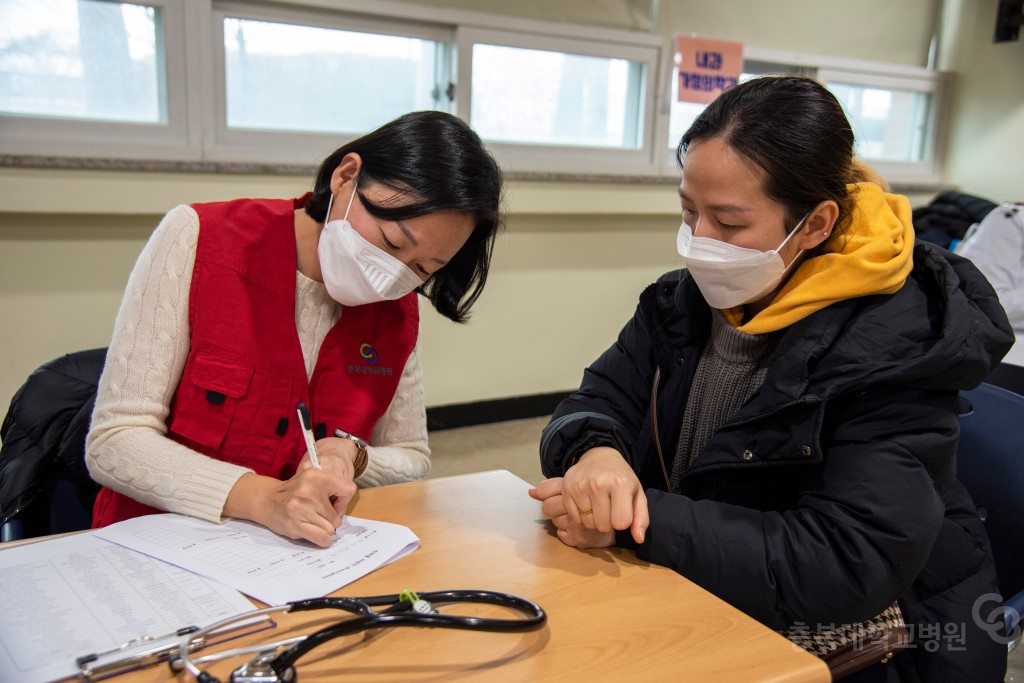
[(778, 422)]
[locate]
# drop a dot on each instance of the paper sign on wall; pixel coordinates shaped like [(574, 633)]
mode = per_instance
[(706, 67)]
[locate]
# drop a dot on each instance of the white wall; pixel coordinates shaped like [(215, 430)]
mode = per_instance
[(634, 15), (987, 114), (562, 288), (878, 30), (566, 273)]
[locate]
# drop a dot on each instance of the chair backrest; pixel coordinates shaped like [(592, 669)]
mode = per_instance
[(45, 487), (1008, 376), (990, 464)]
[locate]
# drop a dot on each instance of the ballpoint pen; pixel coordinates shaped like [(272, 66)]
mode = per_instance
[(307, 433)]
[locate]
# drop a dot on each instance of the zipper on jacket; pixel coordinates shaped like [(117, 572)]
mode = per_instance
[(654, 426)]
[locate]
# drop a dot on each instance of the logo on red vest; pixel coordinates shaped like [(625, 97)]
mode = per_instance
[(370, 355)]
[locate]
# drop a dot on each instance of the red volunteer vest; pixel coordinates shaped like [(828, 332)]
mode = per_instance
[(245, 373)]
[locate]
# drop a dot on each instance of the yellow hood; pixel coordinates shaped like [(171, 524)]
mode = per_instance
[(872, 256)]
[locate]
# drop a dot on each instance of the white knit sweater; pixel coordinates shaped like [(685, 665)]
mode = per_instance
[(127, 448)]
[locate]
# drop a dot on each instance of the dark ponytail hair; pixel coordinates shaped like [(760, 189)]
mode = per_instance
[(794, 129), (436, 160)]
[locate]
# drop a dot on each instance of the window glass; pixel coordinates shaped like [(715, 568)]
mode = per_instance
[(531, 96), (889, 124), (284, 77), (82, 59)]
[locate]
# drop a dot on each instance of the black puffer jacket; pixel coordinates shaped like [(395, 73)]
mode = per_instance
[(43, 438), (832, 492)]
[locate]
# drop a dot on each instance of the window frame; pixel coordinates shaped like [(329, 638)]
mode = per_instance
[(196, 129), (555, 158), (928, 169), (227, 144), (172, 140), (856, 72)]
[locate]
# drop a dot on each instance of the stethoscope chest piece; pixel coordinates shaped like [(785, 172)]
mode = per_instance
[(259, 670)]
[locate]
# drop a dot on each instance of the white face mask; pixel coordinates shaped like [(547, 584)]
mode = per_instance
[(356, 272), (728, 275)]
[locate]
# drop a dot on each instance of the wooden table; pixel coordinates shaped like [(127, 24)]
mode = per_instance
[(611, 617)]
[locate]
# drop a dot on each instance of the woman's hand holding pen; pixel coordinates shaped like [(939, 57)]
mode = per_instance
[(336, 457), (598, 495), (307, 506), (298, 508), (340, 466)]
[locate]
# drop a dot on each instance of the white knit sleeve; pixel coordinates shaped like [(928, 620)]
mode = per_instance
[(398, 448), (126, 449)]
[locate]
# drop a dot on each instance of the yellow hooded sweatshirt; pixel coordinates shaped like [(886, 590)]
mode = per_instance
[(872, 256)]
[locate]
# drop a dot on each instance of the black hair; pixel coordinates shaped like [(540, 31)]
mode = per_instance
[(436, 160), (794, 129)]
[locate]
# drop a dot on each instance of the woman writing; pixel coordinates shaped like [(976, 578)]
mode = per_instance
[(778, 422), (238, 311)]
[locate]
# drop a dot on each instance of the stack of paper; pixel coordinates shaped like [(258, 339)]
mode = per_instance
[(148, 577), (260, 563), (73, 596)]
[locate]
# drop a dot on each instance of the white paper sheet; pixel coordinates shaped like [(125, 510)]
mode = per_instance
[(260, 563), (68, 597)]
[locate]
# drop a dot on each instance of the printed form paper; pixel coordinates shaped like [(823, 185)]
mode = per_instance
[(260, 563), (77, 595)]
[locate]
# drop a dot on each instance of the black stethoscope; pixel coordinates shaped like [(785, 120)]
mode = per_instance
[(275, 662)]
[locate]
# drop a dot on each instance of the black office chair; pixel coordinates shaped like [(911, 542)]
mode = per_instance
[(45, 487), (1008, 376), (990, 464)]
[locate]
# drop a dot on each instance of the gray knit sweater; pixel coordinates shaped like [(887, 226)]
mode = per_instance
[(731, 369)]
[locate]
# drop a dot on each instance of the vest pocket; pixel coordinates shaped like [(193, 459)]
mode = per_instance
[(207, 398)]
